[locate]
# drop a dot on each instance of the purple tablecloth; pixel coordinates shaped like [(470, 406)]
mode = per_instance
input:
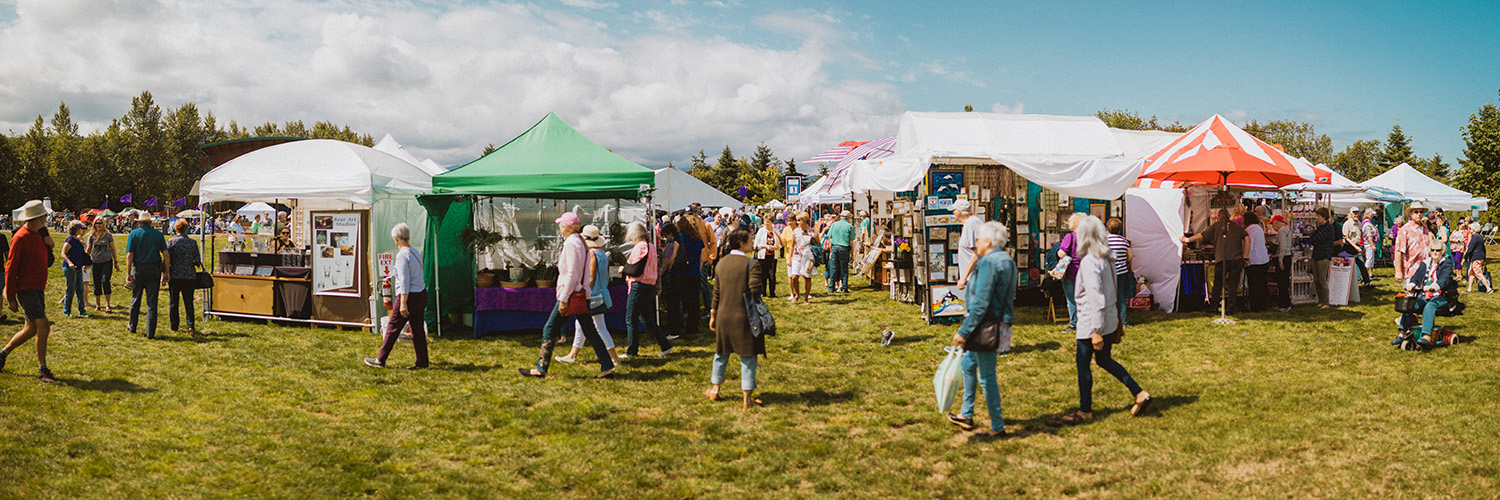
[(534, 299)]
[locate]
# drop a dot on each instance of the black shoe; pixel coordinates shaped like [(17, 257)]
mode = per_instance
[(417, 367), (374, 363), (527, 373), (2, 360), (45, 375), (962, 423)]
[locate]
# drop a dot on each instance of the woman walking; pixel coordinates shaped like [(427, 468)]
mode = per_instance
[(640, 305), (1069, 248), (75, 258), (683, 304), (1474, 268), (1097, 319), (799, 267), (572, 264), (101, 249), (183, 282), (729, 318), (410, 301), (598, 278), (991, 297)]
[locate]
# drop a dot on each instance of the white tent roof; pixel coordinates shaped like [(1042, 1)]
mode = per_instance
[(813, 194), (257, 208), (1141, 143), (1073, 155), (314, 169), (388, 145), (1411, 184), (1337, 184), (675, 190)]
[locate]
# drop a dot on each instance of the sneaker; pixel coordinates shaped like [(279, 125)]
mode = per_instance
[(962, 423), (1396, 341), (82, 314), (2, 360), (626, 356), (1285, 309), (67, 314), (417, 367), (673, 337), (374, 363), (565, 359), (45, 375), (665, 352)]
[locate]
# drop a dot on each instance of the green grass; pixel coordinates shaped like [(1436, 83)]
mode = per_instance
[(1308, 404)]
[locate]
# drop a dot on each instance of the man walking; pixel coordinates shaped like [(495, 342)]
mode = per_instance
[(145, 259), (25, 279), (841, 236)]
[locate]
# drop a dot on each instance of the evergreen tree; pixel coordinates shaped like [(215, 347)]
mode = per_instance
[(1433, 167), (33, 153), (70, 183), (725, 173), (762, 158), (699, 166), (1479, 169), (144, 150), (11, 195), (1397, 150)]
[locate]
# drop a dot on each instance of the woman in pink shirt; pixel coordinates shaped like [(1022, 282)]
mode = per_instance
[(641, 303)]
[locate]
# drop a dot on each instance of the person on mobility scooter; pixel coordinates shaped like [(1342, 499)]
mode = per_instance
[(1435, 293)]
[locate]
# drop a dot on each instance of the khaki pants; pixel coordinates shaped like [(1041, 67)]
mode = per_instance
[(1320, 278)]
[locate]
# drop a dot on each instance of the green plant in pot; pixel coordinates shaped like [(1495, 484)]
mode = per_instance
[(520, 274), (547, 273)]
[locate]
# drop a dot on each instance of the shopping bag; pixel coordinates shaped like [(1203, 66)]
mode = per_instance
[(949, 379)]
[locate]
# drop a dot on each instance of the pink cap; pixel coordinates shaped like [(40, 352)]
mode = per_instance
[(568, 219)]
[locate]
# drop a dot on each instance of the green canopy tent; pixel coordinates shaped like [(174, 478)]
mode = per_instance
[(550, 160)]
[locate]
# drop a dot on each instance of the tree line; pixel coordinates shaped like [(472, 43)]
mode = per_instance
[(760, 176), (147, 153)]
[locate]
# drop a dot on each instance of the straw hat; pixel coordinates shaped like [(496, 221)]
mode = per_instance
[(1415, 206), (142, 216), (31, 210), (591, 236)]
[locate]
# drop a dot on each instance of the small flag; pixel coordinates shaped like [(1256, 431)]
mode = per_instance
[(125, 199), (104, 206), (180, 203), (151, 202)]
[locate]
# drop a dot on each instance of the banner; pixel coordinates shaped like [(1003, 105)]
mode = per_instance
[(793, 188), (180, 203), (151, 202), (125, 199), (336, 253)]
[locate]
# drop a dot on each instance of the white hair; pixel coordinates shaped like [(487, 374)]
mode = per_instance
[(1092, 239), (1074, 219), (635, 231), (997, 234), (401, 232)]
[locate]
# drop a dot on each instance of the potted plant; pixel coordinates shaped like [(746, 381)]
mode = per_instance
[(546, 277), (519, 277)]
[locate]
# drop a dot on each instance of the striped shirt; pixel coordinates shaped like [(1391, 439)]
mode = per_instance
[(1118, 246)]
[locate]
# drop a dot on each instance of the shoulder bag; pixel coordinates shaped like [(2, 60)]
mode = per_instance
[(636, 269), (578, 301), (761, 322), (1407, 304), (986, 338)]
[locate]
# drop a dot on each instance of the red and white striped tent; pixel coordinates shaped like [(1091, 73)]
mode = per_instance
[(867, 150), (1216, 152)]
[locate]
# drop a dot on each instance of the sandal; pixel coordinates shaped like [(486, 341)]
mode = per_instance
[(527, 373), (754, 403), (1077, 416), (712, 393), (1140, 406)]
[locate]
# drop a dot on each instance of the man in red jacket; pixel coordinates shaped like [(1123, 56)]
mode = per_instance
[(25, 279)]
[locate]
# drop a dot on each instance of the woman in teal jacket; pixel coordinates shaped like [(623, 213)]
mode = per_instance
[(991, 294)]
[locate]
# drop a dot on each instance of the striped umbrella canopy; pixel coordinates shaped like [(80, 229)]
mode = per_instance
[(1218, 153), (868, 150), (837, 153)]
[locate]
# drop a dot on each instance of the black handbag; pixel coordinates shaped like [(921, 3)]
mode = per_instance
[(636, 269), (761, 322), (986, 338), (1407, 304), (203, 280)]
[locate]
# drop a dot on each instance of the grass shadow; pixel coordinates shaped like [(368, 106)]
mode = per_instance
[(909, 339), (466, 367), (1041, 347), (201, 339), (1162, 403), (818, 397), (647, 376), (106, 385)]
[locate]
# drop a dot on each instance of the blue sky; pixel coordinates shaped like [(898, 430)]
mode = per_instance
[(658, 80)]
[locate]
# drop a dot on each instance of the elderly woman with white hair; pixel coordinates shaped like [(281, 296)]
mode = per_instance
[(410, 301), (1098, 320), (640, 304), (990, 302)]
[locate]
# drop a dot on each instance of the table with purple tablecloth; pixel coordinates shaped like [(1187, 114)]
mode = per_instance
[(503, 309)]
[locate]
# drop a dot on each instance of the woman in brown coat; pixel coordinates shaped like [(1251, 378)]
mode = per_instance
[(729, 319)]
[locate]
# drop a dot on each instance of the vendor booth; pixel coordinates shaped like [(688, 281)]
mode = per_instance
[(1028, 171), (491, 238), (343, 200), (675, 190)]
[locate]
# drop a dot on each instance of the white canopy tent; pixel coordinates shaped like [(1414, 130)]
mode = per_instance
[(1407, 182), (814, 194), (326, 174), (388, 145), (675, 190), (250, 210), (1074, 155)]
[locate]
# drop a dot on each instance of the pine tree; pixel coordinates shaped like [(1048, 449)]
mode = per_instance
[(1397, 150), (1433, 167), (144, 149), (699, 166), (33, 153), (70, 183), (1359, 161), (762, 158), (724, 174)]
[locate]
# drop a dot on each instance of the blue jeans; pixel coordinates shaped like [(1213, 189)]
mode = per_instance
[(145, 280), (641, 305), (554, 328), (1069, 286), (1429, 314), (74, 291), (979, 368), (838, 268), (1124, 290), (747, 371), (1086, 376)]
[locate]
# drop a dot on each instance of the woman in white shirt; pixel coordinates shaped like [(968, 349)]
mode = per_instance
[(410, 301), (800, 266), (1098, 317), (1257, 261)]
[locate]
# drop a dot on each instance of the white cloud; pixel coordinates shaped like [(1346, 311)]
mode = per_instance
[(445, 83), (1019, 108), (589, 4)]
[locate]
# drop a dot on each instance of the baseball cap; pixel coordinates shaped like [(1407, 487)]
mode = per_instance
[(961, 205), (568, 219)]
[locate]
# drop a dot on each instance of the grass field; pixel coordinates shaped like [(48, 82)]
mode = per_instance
[(1311, 404)]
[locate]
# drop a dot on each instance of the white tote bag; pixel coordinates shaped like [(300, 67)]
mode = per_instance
[(948, 380)]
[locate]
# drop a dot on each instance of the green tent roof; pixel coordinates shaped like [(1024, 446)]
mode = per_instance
[(551, 160)]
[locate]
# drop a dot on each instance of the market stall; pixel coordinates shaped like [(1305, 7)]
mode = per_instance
[(491, 238), (675, 190), (343, 198), (1027, 171)]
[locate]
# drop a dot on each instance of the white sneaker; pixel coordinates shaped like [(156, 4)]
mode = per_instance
[(665, 353), (673, 337), (625, 356), (565, 359)]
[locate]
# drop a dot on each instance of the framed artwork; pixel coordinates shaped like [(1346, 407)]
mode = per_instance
[(1117, 208), (1023, 214), (1023, 241), (953, 238), (1051, 219), (1099, 210), (937, 262), (1021, 194), (953, 273), (946, 301), (1023, 260), (986, 194), (1064, 200), (901, 207), (938, 234), (947, 184)]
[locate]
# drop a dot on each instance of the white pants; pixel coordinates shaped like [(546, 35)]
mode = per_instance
[(1370, 257), (579, 339)]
